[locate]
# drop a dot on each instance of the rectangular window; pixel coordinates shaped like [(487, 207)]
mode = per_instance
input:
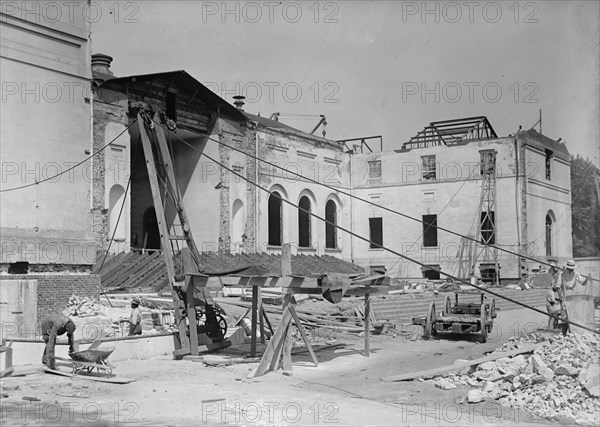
[(428, 168), (374, 171), (430, 231), (488, 233), (548, 164), (376, 232)]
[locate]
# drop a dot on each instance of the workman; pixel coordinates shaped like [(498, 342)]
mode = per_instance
[(554, 305), (52, 326), (135, 319)]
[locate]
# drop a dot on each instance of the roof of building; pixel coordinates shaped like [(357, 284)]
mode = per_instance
[(182, 80), (452, 132), (264, 264)]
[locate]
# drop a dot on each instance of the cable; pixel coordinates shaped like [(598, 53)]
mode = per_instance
[(72, 167), (369, 241)]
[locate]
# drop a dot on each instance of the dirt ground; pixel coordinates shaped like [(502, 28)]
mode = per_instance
[(345, 389)]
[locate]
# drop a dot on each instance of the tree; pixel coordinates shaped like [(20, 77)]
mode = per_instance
[(585, 209)]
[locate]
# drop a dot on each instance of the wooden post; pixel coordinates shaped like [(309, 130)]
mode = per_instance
[(367, 324), (286, 260), (189, 266), (261, 317), (255, 291)]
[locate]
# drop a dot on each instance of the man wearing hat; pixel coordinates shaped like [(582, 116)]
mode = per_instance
[(135, 319), (580, 305), (53, 326)]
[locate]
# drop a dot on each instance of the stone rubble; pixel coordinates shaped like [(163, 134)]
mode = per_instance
[(560, 379)]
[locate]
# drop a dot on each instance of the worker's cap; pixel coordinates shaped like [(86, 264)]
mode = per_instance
[(135, 301), (70, 327), (571, 264), (553, 265)]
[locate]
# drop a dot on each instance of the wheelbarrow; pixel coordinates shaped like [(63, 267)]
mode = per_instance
[(86, 361)]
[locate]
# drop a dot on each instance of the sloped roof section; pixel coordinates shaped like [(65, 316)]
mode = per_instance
[(266, 264), (184, 82), (452, 132)]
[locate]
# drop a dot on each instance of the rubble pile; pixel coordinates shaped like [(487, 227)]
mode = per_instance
[(560, 379), (82, 306)]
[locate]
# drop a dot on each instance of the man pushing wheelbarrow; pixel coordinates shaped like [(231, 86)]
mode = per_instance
[(53, 326)]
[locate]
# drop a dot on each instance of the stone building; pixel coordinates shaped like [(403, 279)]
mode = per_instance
[(46, 236), (432, 179)]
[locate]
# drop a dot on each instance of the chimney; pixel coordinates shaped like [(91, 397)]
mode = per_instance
[(101, 65), (239, 102)]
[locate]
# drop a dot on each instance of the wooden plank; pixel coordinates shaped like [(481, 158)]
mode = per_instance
[(255, 296), (112, 380), (430, 373), (367, 324), (304, 337), (265, 362), (191, 302)]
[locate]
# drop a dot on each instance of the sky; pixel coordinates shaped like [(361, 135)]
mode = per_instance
[(377, 67)]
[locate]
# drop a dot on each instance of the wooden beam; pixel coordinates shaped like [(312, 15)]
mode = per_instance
[(367, 324)]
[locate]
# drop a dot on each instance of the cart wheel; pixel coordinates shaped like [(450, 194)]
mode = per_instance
[(483, 325), (448, 306), (429, 322), (216, 336)]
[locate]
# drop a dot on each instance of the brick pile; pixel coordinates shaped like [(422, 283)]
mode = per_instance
[(560, 379), (82, 306)]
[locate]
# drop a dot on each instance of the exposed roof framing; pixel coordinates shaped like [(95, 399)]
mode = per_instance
[(450, 132)]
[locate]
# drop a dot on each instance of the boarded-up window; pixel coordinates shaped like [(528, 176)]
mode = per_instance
[(375, 171), (430, 231), (275, 219), (304, 222), (428, 168), (376, 232), (330, 225)]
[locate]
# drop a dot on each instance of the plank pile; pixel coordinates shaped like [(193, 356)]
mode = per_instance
[(560, 379)]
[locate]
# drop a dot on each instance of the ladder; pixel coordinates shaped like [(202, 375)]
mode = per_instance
[(168, 202)]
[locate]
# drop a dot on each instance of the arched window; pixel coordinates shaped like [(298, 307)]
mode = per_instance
[(275, 219), (330, 229), (117, 226), (304, 222), (549, 222), (238, 222)]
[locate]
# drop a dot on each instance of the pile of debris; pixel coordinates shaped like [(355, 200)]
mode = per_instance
[(82, 306), (560, 379)]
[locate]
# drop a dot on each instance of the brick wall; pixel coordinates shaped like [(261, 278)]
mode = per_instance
[(53, 291)]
